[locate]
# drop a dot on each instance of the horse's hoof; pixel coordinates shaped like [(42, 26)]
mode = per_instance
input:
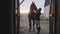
[(29, 30)]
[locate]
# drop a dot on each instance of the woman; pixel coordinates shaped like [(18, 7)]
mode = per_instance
[(38, 13)]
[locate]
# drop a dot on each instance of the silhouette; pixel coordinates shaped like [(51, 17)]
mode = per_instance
[(31, 16), (38, 14)]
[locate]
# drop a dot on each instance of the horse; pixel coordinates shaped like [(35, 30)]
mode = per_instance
[(31, 16)]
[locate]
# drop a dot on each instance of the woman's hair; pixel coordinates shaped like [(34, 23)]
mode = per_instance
[(40, 9)]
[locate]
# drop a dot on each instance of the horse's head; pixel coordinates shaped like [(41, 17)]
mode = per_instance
[(33, 6)]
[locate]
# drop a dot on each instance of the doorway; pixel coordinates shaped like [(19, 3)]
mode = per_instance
[(24, 10)]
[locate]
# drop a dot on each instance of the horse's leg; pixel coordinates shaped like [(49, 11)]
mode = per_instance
[(33, 25), (30, 26)]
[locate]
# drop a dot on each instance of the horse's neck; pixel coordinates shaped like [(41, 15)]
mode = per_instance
[(32, 9)]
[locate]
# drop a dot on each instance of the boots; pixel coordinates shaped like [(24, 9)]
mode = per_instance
[(38, 30)]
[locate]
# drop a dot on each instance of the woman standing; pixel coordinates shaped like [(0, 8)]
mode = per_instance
[(38, 13)]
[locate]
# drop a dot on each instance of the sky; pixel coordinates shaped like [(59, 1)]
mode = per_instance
[(25, 6)]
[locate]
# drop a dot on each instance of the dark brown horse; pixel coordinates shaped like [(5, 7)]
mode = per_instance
[(31, 16)]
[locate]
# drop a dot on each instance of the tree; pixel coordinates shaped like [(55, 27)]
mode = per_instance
[(21, 2)]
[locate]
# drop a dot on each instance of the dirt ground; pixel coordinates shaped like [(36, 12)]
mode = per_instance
[(25, 25)]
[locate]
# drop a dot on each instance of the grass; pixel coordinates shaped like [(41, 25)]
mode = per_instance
[(44, 19)]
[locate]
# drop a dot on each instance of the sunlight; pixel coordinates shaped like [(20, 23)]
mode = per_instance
[(27, 11), (24, 11)]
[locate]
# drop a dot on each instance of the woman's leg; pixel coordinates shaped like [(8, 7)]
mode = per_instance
[(38, 27)]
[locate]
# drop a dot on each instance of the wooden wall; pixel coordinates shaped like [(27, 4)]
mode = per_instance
[(54, 17), (58, 16)]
